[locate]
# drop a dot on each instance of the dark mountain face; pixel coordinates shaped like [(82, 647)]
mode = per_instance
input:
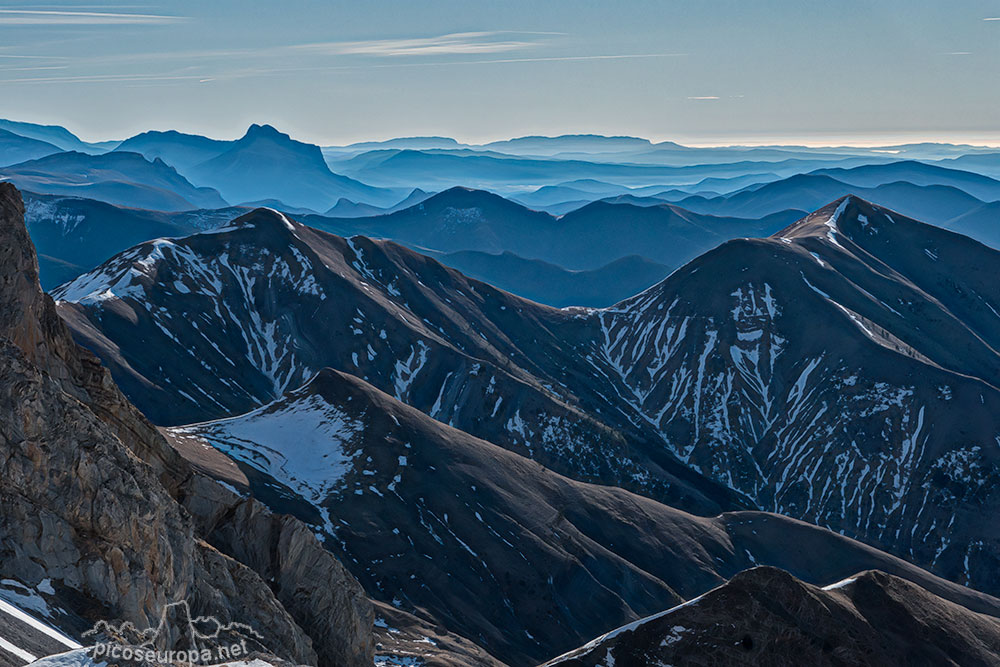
[(266, 163), (219, 323), (14, 148), (181, 151), (127, 179), (766, 617), (817, 370), (491, 545), (814, 372), (589, 238), (91, 503)]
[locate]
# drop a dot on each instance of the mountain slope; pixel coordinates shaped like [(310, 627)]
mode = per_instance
[(265, 163), (766, 617), (127, 179), (14, 148), (817, 370), (90, 506), (489, 544)]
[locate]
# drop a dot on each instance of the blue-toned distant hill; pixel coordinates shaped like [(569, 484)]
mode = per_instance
[(588, 238), (917, 173), (179, 150), (126, 179), (440, 169), (267, 164), (14, 148), (55, 135), (934, 203), (555, 286)]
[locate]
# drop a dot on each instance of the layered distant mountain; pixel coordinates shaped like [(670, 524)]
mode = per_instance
[(440, 169), (588, 238), (917, 173), (126, 179), (14, 148), (982, 224), (266, 163), (555, 286), (935, 203), (346, 208), (58, 136), (815, 372), (181, 151)]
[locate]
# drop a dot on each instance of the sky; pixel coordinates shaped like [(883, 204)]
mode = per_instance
[(699, 72)]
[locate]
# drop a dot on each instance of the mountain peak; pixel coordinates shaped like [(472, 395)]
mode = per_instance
[(834, 219), (256, 131), (265, 218)]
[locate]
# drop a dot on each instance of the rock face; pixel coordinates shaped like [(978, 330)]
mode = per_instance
[(89, 500), (464, 535), (767, 617)]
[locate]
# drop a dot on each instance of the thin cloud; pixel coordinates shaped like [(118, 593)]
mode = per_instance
[(459, 43), (52, 17)]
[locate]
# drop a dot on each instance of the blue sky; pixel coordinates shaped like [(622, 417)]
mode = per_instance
[(706, 71)]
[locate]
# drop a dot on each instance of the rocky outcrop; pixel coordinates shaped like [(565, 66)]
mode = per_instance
[(764, 616), (90, 493)]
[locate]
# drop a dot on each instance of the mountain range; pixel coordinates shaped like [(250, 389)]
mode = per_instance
[(126, 179), (575, 400), (724, 367)]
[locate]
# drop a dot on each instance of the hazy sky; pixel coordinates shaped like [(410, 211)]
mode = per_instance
[(710, 71)]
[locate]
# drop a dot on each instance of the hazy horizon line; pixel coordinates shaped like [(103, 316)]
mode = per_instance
[(814, 140)]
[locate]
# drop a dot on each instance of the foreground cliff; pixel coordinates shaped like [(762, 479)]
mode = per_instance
[(104, 520)]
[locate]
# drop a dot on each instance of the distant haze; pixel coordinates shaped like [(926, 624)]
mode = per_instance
[(711, 72)]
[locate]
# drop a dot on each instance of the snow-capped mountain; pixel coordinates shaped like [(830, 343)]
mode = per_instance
[(818, 371), (813, 373), (489, 544), (222, 322)]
